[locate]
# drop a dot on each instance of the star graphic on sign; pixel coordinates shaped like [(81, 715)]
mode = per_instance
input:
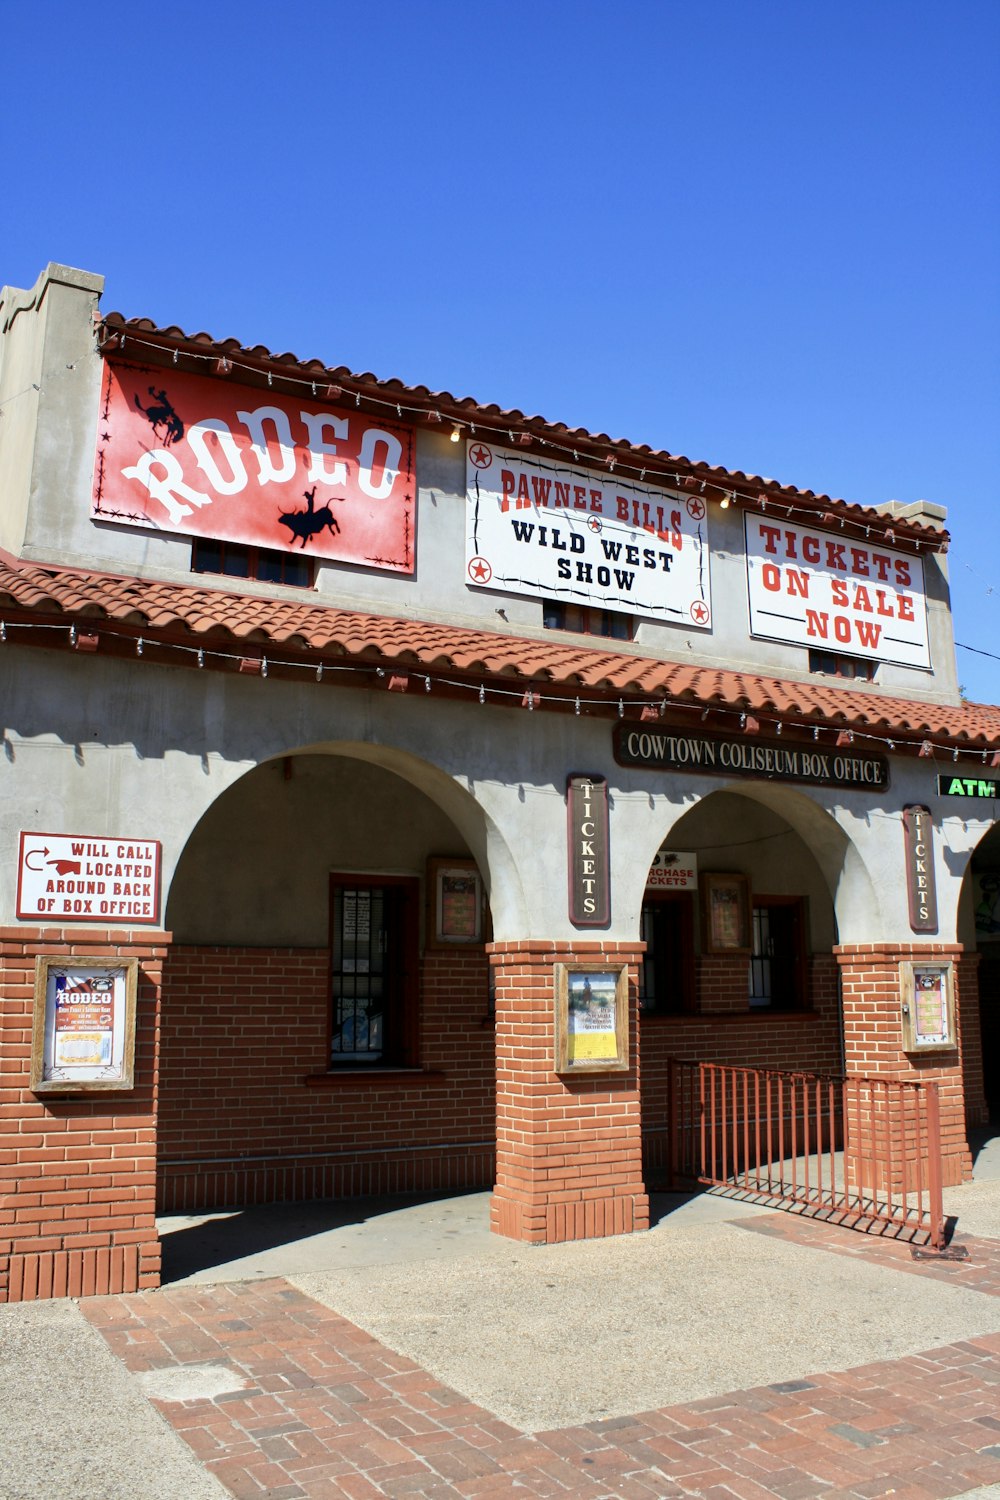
[(696, 509), (699, 612), (480, 570), (481, 456), (594, 522)]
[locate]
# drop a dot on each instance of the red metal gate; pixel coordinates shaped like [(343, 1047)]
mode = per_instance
[(864, 1152)]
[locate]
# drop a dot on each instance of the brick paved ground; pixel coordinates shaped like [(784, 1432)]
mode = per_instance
[(329, 1412)]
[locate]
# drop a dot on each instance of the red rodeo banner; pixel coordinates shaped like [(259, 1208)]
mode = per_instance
[(204, 457)]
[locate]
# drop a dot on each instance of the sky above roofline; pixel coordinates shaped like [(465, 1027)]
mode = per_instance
[(765, 236)]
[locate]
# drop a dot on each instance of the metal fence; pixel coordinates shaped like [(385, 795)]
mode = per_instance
[(865, 1152)]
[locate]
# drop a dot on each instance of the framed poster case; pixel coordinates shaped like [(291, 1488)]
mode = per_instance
[(725, 911), (591, 1018), (927, 995), (83, 1029), (454, 903)]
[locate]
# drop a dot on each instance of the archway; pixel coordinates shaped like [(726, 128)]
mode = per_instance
[(739, 965), (321, 1036)]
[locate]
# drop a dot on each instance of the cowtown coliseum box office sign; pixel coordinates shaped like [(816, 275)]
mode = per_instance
[(767, 760), (823, 590), (207, 458), (542, 529)]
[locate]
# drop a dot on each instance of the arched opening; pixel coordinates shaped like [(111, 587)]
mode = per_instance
[(326, 1027), (979, 930), (740, 919)]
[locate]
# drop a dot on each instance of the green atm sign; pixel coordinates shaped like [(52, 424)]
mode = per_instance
[(967, 786)]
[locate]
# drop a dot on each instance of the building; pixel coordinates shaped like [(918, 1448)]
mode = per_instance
[(348, 726)]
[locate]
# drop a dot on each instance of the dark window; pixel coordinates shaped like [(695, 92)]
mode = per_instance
[(666, 979), (237, 561), (777, 973), (373, 971), (587, 620), (851, 668)]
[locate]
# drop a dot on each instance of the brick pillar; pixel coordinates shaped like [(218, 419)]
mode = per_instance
[(77, 1173), (569, 1149), (873, 1036)]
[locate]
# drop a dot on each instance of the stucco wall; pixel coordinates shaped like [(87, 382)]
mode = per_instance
[(136, 749)]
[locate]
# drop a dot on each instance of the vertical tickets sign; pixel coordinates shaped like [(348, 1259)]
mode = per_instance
[(823, 590), (589, 851), (536, 527), (918, 836), (183, 453)]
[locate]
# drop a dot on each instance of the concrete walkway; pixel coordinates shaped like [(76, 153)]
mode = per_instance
[(366, 1351)]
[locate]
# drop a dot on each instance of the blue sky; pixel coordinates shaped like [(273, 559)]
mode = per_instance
[(764, 234)]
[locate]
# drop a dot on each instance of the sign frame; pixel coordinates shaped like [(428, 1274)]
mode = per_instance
[(974, 788), (177, 453), (88, 863), (725, 900), (575, 1004), (921, 885), (800, 583), (797, 762), (927, 977), (119, 980), (539, 528), (588, 839), (454, 922)]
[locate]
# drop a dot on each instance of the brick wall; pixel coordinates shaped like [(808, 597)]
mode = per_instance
[(873, 1037), (249, 1113), (727, 1032), (77, 1174), (569, 1150)]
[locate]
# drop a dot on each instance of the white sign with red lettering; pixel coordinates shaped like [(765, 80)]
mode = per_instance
[(537, 527), (88, 878), (834, 593), (672, 871)]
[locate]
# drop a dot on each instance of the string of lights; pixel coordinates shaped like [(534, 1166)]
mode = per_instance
[(652, 471), (401, 676)]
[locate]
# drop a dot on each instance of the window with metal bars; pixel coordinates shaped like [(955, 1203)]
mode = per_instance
[(777, 967), (373, 970)]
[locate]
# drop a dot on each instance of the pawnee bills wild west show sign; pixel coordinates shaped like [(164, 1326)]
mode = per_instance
[(820, 589), (208, 458), (537, 527)]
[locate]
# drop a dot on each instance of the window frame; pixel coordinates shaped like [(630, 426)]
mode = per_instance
[(590, 619), (401, 1014), (254, 556), (862, 668), (801, 999)]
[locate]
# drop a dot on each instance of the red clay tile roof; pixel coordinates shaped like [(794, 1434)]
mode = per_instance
[(231, 624), (414, 402)]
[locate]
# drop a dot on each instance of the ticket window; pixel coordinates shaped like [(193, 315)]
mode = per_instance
[(373, 972), (778, 969)]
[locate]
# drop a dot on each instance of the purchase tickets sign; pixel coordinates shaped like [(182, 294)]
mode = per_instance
[(536, 527), (818, 589), (208, 458)]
